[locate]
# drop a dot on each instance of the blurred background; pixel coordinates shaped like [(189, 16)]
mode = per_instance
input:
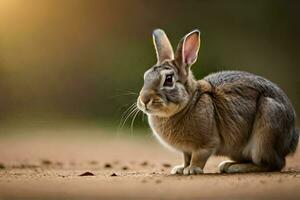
[(69, 69), (72, 60)]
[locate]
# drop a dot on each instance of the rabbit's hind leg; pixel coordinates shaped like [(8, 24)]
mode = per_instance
[(235, 167), (266, 146), (269, 135)]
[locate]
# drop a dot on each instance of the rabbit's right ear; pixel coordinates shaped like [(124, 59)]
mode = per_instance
[(187, 50), (163, 47)]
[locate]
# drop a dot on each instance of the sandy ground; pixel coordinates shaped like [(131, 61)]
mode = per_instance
[(48, 164)]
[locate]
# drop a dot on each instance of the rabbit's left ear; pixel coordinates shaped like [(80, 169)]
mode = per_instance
[(187, 50), (163, 47)]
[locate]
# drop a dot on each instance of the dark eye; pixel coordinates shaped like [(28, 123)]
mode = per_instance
[(168, 80)]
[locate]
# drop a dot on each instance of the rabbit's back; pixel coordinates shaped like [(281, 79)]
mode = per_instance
[(239, 82)]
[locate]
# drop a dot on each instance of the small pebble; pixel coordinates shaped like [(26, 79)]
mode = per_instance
[(113, 174), (2, 166), (166, 165), (87, 174), (46, 162), (124, 168), (158, 181), (107, 165), (145, 163)]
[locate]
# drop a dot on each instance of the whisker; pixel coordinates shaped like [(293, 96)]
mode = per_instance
[(129, 115), (125, 94), (132, 121), (128, 109), (126, 112)]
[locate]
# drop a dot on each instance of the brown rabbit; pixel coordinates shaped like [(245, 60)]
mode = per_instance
[(231, 113)]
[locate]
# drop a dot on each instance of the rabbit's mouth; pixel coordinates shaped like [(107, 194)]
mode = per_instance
[(150, 106), (158, 107)]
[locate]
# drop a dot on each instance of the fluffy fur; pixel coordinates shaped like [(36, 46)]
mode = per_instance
[(231, 113)]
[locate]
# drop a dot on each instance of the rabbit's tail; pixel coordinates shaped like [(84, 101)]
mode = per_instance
[(294, 141)]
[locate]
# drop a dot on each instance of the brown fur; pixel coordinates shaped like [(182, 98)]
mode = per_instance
[(235, 114)]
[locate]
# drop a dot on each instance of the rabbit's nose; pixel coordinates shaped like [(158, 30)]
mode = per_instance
[(146, 96), (146, 99)]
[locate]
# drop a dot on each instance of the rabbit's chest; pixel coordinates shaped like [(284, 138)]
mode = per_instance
[(174, 136)]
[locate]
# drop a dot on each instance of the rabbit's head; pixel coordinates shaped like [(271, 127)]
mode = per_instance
[(169, 84)]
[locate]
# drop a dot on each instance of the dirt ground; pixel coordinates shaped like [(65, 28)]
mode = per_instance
[(48, 164)]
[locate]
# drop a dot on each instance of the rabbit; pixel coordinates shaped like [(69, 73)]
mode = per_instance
[(230, 113)]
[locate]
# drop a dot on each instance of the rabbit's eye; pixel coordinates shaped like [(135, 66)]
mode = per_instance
[(168, 80)]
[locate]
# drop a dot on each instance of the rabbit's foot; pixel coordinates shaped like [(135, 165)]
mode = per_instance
[(223, 166), (233, 167), (177, 169), (192, 170)]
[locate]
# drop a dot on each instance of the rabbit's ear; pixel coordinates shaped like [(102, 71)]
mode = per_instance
[(163, 47), (187, 50)]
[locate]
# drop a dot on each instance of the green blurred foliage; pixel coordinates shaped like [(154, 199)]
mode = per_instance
[(81, 59)]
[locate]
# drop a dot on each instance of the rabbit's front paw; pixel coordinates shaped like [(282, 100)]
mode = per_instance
[(177, 169), (192, 170)]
